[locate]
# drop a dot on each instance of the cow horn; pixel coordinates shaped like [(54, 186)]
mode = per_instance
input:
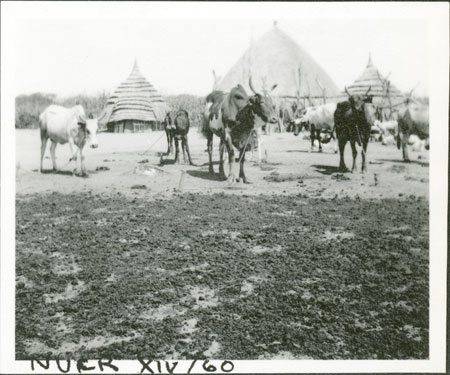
[(273, 87), (251, 85), (368, 91), (82, 119), (347, 91)]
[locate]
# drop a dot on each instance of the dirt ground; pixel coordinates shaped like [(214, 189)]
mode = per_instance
[(143, 260), (290, 168)]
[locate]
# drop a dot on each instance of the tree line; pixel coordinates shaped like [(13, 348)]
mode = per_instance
[(29, 107)]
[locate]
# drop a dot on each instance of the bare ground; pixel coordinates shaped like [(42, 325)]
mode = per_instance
[(305, 262), (290, 168)]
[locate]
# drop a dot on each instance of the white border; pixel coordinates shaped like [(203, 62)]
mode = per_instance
[(438, 16)]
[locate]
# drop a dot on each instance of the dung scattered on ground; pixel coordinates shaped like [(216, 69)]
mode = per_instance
[(397, 168), (277, 177), (102, 168), (187, 281), (340, 177)]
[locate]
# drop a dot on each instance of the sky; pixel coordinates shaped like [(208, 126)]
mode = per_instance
[(71, 52)]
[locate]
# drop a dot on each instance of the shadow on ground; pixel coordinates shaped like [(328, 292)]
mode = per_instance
[(167, 162), (418, 162), (62, 173), (205, 175), (327, 169)]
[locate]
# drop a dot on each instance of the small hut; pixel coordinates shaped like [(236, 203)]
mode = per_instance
[(385, 95), (135, 106)]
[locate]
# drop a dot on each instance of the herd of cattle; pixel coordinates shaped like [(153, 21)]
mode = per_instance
[(237, 119)]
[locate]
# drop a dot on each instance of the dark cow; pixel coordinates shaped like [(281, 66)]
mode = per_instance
[(181, 124), (169, 128), (414, 119), (353, 121), (221, 110)]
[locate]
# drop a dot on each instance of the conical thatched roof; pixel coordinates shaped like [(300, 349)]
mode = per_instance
[(277, 59), (134, 99), (372, 78)]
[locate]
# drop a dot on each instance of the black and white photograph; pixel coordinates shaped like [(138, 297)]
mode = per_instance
[(228, 187)]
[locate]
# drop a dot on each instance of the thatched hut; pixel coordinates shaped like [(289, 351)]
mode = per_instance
[(135, 106), (385, 95), (276, 58)]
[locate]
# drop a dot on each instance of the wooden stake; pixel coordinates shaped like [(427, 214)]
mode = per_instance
[(181, 182)]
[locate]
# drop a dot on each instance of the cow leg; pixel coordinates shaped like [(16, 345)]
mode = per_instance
[(82, 165), (221, 151), (405, 138), (318, 138), (241, 167), (312, 135), (168, 143), (171, 143), (333, 134), (177, 151), (342, 166), (44, 140), (52, 153), (260, 142), (363, 156), (74, 154), (183, 148), (354, 154), (186, 146), (230, 149), (210, 150)]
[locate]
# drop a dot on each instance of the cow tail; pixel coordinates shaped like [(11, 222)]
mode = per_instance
[(43, 125), (204, 127)]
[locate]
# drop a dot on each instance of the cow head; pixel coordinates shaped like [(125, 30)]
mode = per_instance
[(370, 113), (299, 124), (90, 127), (263, 105), (357, 101), (168, 119)]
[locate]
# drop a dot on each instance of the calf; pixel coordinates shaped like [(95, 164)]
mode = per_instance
[(67, 125), (180, 132)]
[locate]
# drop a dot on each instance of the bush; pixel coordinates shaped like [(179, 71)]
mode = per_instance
[(29, 107), (191, 103)]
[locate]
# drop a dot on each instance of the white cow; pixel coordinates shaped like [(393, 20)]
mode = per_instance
[(64, 125), (320, 119), (417, 144), (387, 127), (388, 140)]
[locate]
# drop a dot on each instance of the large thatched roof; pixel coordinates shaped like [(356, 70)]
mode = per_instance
[(134, 99), (372, 78), (277, 59)]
